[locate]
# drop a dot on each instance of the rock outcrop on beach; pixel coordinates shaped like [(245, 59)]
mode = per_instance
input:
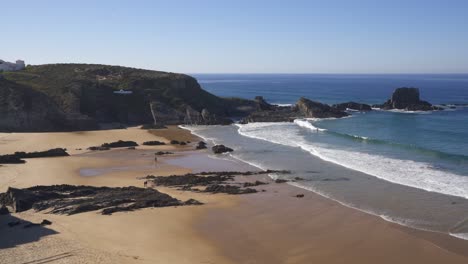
[(153, 143), (116, 144), (17, 157), (213, 182), (66, 97), (201, 145), (352, 106), (71, 199), (407, 99), (304, 108)]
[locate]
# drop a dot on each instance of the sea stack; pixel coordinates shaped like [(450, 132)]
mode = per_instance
[(407, 99)]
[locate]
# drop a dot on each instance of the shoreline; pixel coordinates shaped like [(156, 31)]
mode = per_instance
[(226, 229), (368, 211)]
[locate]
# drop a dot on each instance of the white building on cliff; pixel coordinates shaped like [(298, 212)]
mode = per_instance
[(10, 66)]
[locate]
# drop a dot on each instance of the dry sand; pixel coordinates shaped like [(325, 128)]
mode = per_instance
[(160, 235), (267, 227)]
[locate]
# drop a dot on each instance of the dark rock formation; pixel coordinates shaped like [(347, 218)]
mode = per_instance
[(69, 199), (46, 222), (300, 195), (17, 157), (304, 108), (353, 106), (120, 144), (228, 189), (218, 149), (256, 183), (201, 145), (11, 159), (262, 105), (280, 181), (175, 142), (190, 179), (116, 144), (407, 99), (153, 143), (56, 152), (215, 182), (315, 109), (160, 153), (98, 148)]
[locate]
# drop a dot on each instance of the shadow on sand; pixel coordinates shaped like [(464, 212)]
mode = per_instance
[(18, 235)]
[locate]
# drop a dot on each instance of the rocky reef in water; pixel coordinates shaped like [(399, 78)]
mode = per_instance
[(304, 108), (407, 99), (352, 106)]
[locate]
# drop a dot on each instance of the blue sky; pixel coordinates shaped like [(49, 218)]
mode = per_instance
[(200, 36)]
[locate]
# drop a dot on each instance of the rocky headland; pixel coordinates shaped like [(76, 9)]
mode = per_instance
[(70, 97)]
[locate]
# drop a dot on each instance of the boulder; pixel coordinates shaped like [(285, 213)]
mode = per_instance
[(218, 149), (45, 222), (201, 145)]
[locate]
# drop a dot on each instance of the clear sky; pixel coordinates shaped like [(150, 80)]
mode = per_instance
[(197, 36)]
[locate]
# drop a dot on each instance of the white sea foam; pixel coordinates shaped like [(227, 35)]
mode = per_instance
[(402, 111), (463, 236), (406, 172), (307, 124), (279, 104), (285, 138)]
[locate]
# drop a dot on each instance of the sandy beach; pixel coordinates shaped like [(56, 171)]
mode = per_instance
[(266, 227)]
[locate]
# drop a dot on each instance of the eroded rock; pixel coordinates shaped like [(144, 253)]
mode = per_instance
[(71, 199)]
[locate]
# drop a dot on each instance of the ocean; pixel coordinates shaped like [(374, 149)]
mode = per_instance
[(406, 167)]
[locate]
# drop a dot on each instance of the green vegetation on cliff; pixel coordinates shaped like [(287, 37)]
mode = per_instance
[(83, 95)]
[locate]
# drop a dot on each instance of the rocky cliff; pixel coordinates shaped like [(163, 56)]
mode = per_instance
[(62, 97)]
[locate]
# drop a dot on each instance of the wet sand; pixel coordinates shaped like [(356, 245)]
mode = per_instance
[(266, 227), (278, 227)]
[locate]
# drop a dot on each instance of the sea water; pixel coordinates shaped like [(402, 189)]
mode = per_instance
[(410, 168)]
